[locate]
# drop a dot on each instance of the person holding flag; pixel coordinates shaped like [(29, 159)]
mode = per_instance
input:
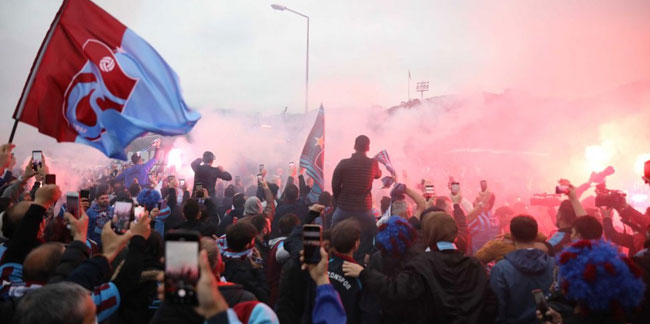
[(351, 189)]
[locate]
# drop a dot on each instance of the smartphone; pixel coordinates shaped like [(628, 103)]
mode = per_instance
[(198, 190), (261, 167), (50, 179), (561, 189), (428, 189), (260, 177), (181, 182), (542, 306), (181, 267), (123, 214), (37, 159), (84, 194), (311, 243), (72, 203), (292, 165), (138, 212), (483, 185), (455, 187), (114, 173)]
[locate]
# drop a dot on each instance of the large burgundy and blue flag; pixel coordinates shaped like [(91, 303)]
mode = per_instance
[(313, 155), (96, 82)]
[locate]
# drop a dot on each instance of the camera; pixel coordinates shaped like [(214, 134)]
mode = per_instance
[(609, 198)]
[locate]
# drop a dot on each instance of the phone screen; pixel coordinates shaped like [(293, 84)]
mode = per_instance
[(311, 243), (123, 214), (50, 179), (261, 167), (292, 165), (259, 178), (138, 211), (84, 194), (181, 270), (37, 159), (198, 190), (540, 301), (181, 182), (455, 187), (428, 189), (72, 203)]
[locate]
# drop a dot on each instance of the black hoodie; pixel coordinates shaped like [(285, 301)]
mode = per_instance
[(442, 287)]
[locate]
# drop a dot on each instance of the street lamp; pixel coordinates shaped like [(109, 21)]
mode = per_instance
[(283, 8)]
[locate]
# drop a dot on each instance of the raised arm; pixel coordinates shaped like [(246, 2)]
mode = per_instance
[(195, 164), (420, 202)]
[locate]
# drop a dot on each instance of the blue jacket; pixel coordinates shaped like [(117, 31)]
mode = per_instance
[(139, 171), (514, 278), (328, 308), (97, 218)]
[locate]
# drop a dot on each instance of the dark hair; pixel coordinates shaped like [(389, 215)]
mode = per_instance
[(259, 221), (208, 157), (40, 263), (134, 189), (53, 303), (230, 191), (566, 213), (101, 190), (523, 228), (135, 158), (362, 143), (345, 234), (384, 204), (291, 192), (588, 227), (325, 199), (287, 223), (239, 200), (191, 209), (240, 234)]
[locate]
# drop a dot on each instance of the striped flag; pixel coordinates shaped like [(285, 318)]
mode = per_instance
[(383, 158), (313, 155)]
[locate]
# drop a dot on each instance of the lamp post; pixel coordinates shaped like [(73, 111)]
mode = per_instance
[(282, 8)]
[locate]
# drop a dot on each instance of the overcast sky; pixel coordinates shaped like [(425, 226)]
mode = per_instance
[(243, 55)]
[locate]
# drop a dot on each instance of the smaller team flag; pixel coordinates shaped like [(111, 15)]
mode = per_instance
[(313, 155)]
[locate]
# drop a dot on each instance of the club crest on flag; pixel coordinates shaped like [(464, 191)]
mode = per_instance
[(100, 85)]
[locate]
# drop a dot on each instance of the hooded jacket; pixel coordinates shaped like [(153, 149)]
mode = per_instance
[(513, 279), (440, 286)]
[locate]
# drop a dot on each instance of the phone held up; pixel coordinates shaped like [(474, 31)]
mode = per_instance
[(122, 212), (37, 160), (455, 188), (484, 185), (72, 203), (181, 267), (542, 306), (311, 243), (561, 189), (198, 190), (50, 179)]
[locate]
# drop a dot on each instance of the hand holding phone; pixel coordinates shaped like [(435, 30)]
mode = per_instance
[(542, 306), (72, 205), (455, 188), (37, 160), (261, 167), (198, 190), (122, 212)]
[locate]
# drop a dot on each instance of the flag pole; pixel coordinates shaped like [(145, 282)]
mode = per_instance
[(13, 131), (32, 73)]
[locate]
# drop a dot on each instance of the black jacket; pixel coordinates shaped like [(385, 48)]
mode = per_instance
[(227, 220), (207, 175), (356, 301), (171, 314), (442, 286), (298, 208), (252, 279)]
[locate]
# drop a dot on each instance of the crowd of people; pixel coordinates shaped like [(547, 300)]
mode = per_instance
[(421, 259)]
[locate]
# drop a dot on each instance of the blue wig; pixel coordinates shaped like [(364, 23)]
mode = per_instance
[(149, 198), (600, 278), (395, 236)]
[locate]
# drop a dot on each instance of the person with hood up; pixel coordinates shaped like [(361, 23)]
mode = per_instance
[(520, 272), (443, 285)]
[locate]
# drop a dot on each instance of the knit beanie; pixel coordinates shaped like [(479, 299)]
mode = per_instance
[(253, 206), (395, 236), (599, 278)]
